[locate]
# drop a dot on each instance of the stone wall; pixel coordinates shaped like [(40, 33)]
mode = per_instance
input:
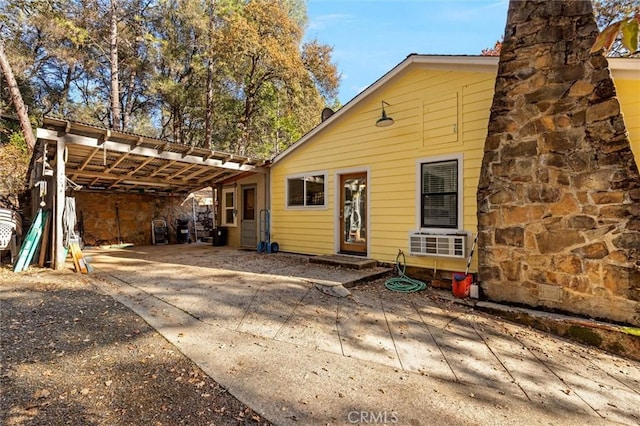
[(558, 200), (97, 212)]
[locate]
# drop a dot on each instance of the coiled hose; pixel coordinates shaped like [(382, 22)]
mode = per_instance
[(403, 283)]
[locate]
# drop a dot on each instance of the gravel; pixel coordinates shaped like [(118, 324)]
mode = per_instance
[(71, 355)]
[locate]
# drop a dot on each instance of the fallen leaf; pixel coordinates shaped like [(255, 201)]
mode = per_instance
[(41, 393)]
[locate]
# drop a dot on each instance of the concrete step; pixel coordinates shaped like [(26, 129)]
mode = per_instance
[(353, 262)]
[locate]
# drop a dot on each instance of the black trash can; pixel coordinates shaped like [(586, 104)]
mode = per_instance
[(182, 231), (219, 236)]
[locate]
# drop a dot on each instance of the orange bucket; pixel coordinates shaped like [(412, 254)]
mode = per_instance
[(461, 285)]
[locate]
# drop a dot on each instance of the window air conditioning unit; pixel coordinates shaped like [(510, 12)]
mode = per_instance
[(440, 245)]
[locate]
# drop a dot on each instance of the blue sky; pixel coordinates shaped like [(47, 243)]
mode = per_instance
[(369, 37)]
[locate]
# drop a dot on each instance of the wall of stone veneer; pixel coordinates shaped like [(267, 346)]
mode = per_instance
[(136, 211), (559, 193)]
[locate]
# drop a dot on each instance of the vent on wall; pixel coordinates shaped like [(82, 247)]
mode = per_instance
[(438, 245)]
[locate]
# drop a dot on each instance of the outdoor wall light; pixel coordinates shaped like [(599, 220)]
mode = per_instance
[(384, 121)]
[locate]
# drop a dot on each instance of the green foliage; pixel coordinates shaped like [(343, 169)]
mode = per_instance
[(634, 331), (618, 21), (630, 34), (267, 88), (14, 157), (17, 142), (627, 28)]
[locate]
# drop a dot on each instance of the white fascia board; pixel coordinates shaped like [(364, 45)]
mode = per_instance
[(147, 152), (625, 68)]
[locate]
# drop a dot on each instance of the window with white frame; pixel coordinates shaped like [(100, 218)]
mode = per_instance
[(228, 207), (441, 193), (307, 190)]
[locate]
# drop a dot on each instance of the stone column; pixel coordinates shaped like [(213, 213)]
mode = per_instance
[(559, 191)]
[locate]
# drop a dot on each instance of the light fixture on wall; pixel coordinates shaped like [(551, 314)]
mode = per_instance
[(384, 121)]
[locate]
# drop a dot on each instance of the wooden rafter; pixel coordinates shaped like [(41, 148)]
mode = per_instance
[(89, 158), (176, 168), (145, 181), (161, 168), (187, 152), (140, 167), (137, 142), (118, 161), (184, 169), (132, 172), (213, 175), (103, 137), (194, 174)]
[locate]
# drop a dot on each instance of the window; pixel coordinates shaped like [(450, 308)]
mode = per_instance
[(306, 191), (439, 191), (228, 207)]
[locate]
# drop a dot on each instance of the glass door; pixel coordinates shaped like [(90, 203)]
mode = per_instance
[(353, 213)]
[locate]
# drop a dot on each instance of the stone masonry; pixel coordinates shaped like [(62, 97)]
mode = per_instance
[(135, 213), (559, 191)]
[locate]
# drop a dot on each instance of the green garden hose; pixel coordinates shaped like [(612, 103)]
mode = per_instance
[(403, 283)]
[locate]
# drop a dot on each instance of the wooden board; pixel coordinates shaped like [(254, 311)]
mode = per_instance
[(30, 244), (78, 258), (45, 242)]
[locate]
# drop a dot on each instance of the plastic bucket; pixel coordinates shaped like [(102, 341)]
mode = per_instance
[(461, 284)]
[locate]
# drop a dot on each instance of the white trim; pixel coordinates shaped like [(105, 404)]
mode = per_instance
[(624, 68), (338, 202), (323, 173), (125, 148), (418, 190), (223, 209)]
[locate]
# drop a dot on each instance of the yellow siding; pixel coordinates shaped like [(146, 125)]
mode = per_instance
[(389, 155), (234, 232), (628, 92)]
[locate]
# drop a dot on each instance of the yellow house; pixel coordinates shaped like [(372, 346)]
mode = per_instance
[(397, 167)]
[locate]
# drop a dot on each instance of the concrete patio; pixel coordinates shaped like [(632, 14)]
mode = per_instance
[(258, 325)]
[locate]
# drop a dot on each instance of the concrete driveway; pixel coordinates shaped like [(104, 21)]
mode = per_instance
[(259, 326)]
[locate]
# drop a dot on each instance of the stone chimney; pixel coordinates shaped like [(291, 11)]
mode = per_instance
[(559, 191)]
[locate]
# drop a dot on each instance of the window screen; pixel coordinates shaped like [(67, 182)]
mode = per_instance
[(440, 194)]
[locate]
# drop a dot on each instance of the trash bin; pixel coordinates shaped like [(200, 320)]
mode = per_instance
[(182, 231), (219, 236)]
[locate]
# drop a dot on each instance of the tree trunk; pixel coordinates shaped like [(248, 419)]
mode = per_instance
[(64, 97), (208, 139), (128, 104), (115, 83), (16, 98)]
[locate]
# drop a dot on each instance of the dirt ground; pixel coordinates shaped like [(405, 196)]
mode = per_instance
[(71, 355)]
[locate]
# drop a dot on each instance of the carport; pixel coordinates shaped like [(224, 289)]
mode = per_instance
[(82, 157)]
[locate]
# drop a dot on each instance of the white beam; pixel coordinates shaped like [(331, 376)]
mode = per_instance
[(147, 152), (59, 201)]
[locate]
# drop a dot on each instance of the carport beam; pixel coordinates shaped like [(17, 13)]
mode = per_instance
[(59, 252)]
